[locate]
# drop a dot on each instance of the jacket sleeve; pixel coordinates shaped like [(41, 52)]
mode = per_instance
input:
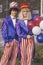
[(19, 31), (4, 31)]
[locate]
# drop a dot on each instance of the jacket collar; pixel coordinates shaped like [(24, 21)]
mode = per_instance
[(23, 23), (10, 21)]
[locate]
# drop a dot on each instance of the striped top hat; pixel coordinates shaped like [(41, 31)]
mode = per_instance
[(13, 5)]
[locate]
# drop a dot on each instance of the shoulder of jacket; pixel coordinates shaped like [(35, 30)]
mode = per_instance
[(5, 20), (20, 21)]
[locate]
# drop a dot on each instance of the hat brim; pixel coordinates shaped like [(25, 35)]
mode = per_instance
[(24, 7)]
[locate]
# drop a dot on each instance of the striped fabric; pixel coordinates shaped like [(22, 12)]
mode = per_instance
[(10, 52), (26, 51), (13, 4)]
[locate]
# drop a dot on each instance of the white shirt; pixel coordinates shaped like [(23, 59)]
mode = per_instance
[(25, 21), (13, 20)]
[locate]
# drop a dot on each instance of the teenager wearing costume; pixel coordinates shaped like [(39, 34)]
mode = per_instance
[(25, 37), (10, 36)]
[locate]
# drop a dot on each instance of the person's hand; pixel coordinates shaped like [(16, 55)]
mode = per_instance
[(28, 36), (7, 44)]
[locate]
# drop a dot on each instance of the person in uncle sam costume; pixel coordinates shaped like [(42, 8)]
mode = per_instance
[(25, 37), (10, 36)]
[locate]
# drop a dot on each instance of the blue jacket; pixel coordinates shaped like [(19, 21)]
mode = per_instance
[(22, 30), (8, 30)]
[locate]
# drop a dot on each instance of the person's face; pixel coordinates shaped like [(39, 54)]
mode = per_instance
[(25, 12), (14, 13)]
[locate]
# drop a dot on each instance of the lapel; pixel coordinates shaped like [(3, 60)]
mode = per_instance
[(23, 24), (10, 22)]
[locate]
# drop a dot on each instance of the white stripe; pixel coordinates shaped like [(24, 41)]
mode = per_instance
[(13, 4)]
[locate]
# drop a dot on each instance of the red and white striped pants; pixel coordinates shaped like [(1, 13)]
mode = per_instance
[(26, 51), (10, 51)]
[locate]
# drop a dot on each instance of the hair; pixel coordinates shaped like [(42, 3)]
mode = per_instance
[(20, 16), (14, 9)]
